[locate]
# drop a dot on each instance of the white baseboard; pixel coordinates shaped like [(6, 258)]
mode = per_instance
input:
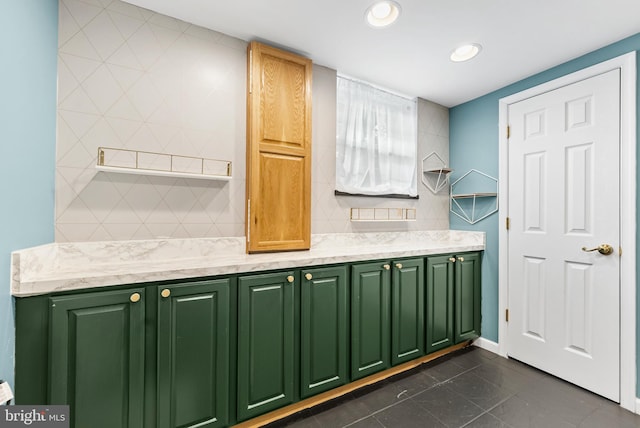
[(637, 406), (487, 345)]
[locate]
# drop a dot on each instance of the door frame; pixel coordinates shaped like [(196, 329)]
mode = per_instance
[(627, 65)]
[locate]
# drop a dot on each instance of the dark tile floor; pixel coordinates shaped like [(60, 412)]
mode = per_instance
[(471, 388)]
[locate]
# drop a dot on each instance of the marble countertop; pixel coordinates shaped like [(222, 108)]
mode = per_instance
[(73, 266)]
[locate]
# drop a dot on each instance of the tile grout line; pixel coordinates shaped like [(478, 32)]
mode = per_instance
[(410, 397)]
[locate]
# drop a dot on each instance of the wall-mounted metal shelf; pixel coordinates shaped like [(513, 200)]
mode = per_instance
[(435, 173), (478, 204), (161, 164), (383, 214)]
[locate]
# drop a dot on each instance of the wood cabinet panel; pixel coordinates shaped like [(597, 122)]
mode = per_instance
[(324, 329), (193, 354), (439, 299), (467, 297), (97, 357), (407, 310), (266, 343), (278, 209), (370, 323)]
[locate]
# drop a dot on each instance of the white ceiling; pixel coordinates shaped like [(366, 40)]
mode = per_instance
[(519, 38)]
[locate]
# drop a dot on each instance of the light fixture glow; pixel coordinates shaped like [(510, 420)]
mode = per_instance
[(465, 52), (383, 13)]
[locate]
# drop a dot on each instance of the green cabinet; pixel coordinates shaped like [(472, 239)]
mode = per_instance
[(193, 354), (96, 357), (370, 313), (407, 310), (467, 297), (453, 300), (324, 330), (266, 342)]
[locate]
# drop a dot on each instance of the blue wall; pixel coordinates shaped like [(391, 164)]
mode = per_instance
[(474, 144), (28, 47)]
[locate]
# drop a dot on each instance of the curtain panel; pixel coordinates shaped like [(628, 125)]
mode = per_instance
[(376, 144)]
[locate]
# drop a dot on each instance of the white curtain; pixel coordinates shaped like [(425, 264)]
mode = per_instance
[(376, 144)]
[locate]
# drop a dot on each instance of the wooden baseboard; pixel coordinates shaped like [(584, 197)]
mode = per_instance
[(275, 415)]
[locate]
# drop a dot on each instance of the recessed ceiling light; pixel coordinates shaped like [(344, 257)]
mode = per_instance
[(383, 13), (465, 52)]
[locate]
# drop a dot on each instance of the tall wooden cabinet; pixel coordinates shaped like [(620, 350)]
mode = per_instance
[(278, 207)]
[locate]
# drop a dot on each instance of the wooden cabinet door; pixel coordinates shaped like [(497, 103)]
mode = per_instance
[(193, 354), (96, 361), (324, 329), (439, 302), (467, 297), (278, 209), (266, 343), (370, 324), (407, 310)]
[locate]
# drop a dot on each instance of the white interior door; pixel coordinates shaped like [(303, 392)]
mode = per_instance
[(564, 302)]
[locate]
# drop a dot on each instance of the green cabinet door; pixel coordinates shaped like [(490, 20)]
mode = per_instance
[(97, 357), (370, 324), (193, 354), (324, 329), (407, 310), (439, 302), (467, 297), (266, 342)]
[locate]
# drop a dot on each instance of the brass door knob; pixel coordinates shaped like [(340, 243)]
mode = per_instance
[(308, 276), (452, 259), (604, 249), (135, 297), (165, 293), (386, 267), (399, 265), (290, 278), (460, 259)]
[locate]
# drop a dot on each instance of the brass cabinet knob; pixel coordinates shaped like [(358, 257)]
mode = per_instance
[(460, 259), (386, 267), (135, 297), (165, 293), (452, 259), (290, 278), (399, 265), (308, 276)]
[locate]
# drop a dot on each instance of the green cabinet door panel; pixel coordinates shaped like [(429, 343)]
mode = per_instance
[(193, 354), (467, 297), (439, 303), (265, 343), (324, 329), (97, 358), (370, 323), (407, 310)]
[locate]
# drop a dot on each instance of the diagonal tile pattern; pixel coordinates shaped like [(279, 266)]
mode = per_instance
[(133, 79), (471, 388)]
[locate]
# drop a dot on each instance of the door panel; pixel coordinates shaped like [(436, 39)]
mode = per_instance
[(97, 357), (324, 331), (563, 200), (265, 343), (193, 354), (467, 297), (370, 310), (439, 303), (407, 310)]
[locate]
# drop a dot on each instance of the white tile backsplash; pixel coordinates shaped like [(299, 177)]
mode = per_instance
[(133, 79)]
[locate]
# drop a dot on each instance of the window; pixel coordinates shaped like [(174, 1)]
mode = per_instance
[(376, 141)]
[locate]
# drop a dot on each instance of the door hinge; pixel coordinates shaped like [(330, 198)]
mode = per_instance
[(506, 315), (508, 223), (508, 132), (620, 251)]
